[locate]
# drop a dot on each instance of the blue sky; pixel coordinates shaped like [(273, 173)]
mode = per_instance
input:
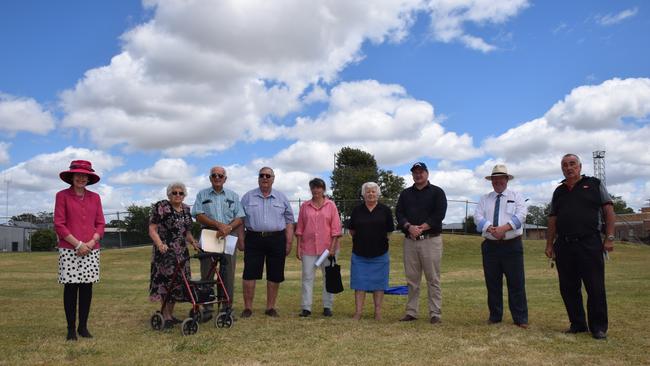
[(162, 90)]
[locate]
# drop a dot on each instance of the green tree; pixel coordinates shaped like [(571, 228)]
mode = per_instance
[(538, 215), (42, 217), (391, 185), (43, 240), (620, 206), (352, 168), (469, 225), (137, 222)]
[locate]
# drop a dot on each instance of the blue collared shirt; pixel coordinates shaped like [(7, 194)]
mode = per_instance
[(223, 206), (512, 210), (271, 213)]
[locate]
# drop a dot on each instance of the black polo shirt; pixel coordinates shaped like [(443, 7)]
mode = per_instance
[(417, 206), (370, 230), (578, 210)]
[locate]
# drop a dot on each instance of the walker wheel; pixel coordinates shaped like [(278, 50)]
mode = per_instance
[(157, 321), (189, 327), (224, 320), (196, 315)]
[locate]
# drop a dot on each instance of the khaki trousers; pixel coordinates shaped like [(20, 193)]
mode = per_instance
[(423, 256)]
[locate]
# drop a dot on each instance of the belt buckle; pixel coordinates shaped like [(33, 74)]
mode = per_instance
[(421, 237)]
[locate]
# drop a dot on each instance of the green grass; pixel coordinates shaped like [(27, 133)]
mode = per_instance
[(32, 325)]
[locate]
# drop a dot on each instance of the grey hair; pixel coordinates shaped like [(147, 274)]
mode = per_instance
[(173, 185), (367, 185), (574, 155)]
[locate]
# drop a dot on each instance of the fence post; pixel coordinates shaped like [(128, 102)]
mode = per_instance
[(466, 208), (119, 229)]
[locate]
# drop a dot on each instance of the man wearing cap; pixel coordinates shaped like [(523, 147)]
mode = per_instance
[(219, 209), (500, 217), (268, 239), (573, 239), (420, 211)]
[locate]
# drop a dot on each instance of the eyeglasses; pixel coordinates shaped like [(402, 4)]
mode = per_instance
[(176, 193), (265, 176), (215, 176)]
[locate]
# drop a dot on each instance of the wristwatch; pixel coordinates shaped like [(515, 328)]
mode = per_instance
[(611, 237)]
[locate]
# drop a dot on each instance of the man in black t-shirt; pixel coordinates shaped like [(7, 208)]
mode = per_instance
[(573, 239)]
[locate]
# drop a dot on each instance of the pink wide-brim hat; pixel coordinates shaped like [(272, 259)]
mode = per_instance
[(80, 166)]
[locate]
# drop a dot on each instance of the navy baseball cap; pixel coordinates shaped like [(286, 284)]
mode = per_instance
[(419, 165)]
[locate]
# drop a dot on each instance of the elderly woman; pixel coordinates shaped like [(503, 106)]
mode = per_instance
[(170, 228), (79, 224), (370, 224), (318, 229)]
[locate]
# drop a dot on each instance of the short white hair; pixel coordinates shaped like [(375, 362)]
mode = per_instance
[(370, 185), (173, 185)]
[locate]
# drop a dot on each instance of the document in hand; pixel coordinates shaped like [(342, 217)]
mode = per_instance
[(210, 243)]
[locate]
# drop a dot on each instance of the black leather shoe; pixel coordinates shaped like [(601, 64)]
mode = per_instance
[(247, 313), (304, 313), (408, 318), (599, 335), (84, 333), (327, 312), (490, 321), (72, 336), (272, 313), (574, 330)]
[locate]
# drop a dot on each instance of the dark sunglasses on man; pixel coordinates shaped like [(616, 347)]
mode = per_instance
[(215, 176), (177, 193), (265, 176)]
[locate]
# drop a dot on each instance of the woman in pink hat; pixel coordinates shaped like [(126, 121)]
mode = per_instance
[(79, 224)]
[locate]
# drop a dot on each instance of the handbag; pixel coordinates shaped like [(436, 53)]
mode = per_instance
[(333, 282)]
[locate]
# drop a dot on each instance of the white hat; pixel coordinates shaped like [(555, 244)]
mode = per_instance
[(498, 170)]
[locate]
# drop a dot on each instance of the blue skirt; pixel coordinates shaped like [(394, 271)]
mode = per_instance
[(369, 274)]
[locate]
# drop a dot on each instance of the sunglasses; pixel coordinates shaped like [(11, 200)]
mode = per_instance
[(176, 193), (265, 176), (215, 176)]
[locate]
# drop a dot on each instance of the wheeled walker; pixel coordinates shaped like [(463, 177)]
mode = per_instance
[(198, 293)]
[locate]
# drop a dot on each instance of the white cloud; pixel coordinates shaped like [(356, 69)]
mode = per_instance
[(4, 152), (163, 172), (24, 114), (611, 116), (185, 73), (611, 19), (41, 172), (448, 18), (378, 118)]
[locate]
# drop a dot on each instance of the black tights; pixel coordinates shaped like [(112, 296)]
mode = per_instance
[(70, 291)]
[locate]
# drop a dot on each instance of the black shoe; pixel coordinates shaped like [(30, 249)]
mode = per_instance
[(84, 333), (408, 318), (435, 320), (247, 313), (304, 313), (72, 335), (599, 334), (176, 320), (575, 329), (327, 312), (169, 324), (272, 313), (490, 321)]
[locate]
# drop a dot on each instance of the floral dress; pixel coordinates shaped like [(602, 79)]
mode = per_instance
[(172, 229)]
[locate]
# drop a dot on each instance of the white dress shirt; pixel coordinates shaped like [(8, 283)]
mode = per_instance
[(512, 210)]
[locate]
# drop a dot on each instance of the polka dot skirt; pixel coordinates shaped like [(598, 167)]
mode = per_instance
[(74, 269)]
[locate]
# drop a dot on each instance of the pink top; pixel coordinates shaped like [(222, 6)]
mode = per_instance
[(81, 217), (317, 227)]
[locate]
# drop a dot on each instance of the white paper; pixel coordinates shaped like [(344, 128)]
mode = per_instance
[(231, 244), (210, 243), (322, 257)]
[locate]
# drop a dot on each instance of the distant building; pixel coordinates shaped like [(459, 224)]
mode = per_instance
[(534, 232), (634, 226), (16, 238)]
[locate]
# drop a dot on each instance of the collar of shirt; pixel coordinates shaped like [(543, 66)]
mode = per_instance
[(325, 203), (258, 192)]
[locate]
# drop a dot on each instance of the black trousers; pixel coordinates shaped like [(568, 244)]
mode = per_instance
[(581, 261), (505, 257), (226, 271), (71, 293)]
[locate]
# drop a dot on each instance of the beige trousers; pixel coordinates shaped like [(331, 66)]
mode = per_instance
[(423, 256)]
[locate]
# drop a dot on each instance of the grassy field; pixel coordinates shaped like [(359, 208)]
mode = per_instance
[(32, 327)]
